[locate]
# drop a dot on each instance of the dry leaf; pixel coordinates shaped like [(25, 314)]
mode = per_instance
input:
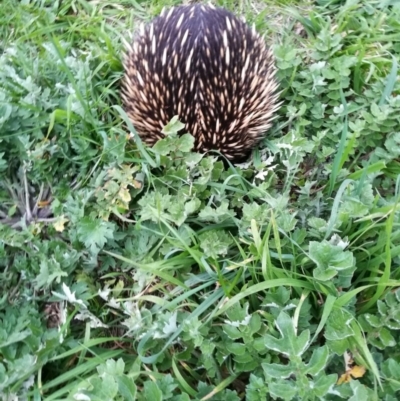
[(59, 224)]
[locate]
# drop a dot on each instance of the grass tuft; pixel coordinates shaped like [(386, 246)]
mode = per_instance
[(137, 273)]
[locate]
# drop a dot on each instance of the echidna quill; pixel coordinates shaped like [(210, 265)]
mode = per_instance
[(208, 67)]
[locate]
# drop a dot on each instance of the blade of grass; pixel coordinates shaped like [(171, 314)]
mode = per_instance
[(138, 141), (183, 383), (388, 257), (328, 307), (263, 286), (84, 368), (221, 386), (154, 268), (390, 83), (370, 169), (362, 345), (335, 207)]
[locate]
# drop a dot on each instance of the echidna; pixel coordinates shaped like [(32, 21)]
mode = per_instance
[(207, 66)]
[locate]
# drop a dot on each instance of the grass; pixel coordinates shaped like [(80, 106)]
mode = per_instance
[(129, 272)]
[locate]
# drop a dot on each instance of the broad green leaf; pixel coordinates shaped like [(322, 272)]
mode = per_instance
[(330, 259), (215, 243), (151, 391), (173, 126), (186, 143), (285, 391), (127, 388), (318, 360), (94, 233), (338, 325), (360, 393), (290, 344), (236, 348), (279, 371), (324, 384)]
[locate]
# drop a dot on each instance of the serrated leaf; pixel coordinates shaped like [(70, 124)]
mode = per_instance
[(167, 385), (14, 338), (50, 271), (94, 233), (257, 389), (215, 243), (177, 212), (154, 206), (217, 215), (112, 367)]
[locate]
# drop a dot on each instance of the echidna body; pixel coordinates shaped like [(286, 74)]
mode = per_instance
[(208, 67)]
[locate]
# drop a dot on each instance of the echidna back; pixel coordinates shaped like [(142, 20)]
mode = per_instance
[(209, 68)]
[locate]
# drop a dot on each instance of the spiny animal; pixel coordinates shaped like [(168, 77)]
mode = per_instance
[(211, 69)]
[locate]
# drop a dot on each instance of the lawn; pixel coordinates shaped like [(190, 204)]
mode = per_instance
[(137, 273)]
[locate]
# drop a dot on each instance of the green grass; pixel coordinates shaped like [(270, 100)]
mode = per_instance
[(129, 272)]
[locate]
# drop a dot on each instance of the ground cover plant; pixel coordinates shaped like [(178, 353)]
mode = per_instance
[(130, 273)]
